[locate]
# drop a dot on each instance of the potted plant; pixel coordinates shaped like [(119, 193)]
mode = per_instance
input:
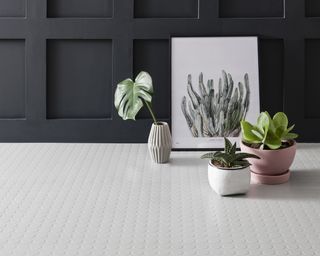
[(129, 98), (272, 140), (228, 171)]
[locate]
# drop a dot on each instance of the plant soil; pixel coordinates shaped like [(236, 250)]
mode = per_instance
[(221, 166), (285, 144)]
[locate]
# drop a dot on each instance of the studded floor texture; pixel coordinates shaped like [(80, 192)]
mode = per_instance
[(110, 199)]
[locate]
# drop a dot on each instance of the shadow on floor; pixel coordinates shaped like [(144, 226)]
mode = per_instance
[(188, 162), (303, 185)]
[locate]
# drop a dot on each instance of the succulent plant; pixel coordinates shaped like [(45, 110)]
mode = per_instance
[(268, 132), (130, 96), (216, 112), (229, 158)]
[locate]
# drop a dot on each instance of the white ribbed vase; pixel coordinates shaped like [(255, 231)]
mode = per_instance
[(159, 142)]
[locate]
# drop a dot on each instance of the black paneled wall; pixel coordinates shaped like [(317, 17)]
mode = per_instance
[(60, 61)]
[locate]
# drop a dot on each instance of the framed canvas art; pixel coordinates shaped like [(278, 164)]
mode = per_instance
[(215, 84)]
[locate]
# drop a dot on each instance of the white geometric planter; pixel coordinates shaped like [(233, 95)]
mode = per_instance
[(229, 181), (160, 142)]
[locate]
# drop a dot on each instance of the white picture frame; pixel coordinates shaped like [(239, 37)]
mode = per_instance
[(201, 113)]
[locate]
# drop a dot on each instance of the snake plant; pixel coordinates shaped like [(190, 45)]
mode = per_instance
[(130, 96), (229, 158)]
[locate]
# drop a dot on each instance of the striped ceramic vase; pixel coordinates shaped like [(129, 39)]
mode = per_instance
[(159, 142)]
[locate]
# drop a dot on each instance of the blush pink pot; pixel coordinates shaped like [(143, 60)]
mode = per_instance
[(273, 165)]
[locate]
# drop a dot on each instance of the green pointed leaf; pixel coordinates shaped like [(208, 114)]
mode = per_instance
[(242, 163), (234, 148), (217, 153), (227, 145), (241, 156), (129, 95), (208, 155), (290, 128), (224, 158)]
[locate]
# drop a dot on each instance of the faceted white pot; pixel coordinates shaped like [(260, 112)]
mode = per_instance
[(229, 181), (160, 142)]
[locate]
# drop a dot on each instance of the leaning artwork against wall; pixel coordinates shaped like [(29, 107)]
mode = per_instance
[(215, 84)]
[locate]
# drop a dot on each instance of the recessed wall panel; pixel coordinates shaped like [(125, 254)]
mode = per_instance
[(79, 8), (153, 56), (79, 78), (251, 8), (12, 8), (271, 75), (312, 71), (12, 78), (312, 8), (166, 9)]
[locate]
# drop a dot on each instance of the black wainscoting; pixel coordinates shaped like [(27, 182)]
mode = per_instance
[(61, 60)]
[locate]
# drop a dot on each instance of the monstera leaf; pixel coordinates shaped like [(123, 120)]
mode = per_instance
[(129, 95)]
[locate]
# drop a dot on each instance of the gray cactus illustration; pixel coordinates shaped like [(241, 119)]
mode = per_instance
[(216, 112)]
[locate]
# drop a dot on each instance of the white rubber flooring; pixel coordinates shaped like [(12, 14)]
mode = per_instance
[(110, 199)]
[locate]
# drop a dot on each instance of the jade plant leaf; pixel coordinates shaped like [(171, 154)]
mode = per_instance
[(272, 141), (263, 123), (258, 134), (247, 132), (129, 95), (280, 120), (270, 132), (290, 136)]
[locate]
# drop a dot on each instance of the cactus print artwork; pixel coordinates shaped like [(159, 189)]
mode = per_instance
[(216, 111)]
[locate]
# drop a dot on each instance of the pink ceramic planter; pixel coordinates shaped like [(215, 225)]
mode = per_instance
[(273, 165)]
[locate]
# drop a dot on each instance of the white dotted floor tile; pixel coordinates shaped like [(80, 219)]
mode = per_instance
[(110, 199)]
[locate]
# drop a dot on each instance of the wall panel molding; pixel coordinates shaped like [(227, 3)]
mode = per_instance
[(60, 61), (166, 9), (79, 78), (312, 87), (152, 56), (312, 8), (80, 8), (12, 78), (12, 8), (271, 75), (251, 8)]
